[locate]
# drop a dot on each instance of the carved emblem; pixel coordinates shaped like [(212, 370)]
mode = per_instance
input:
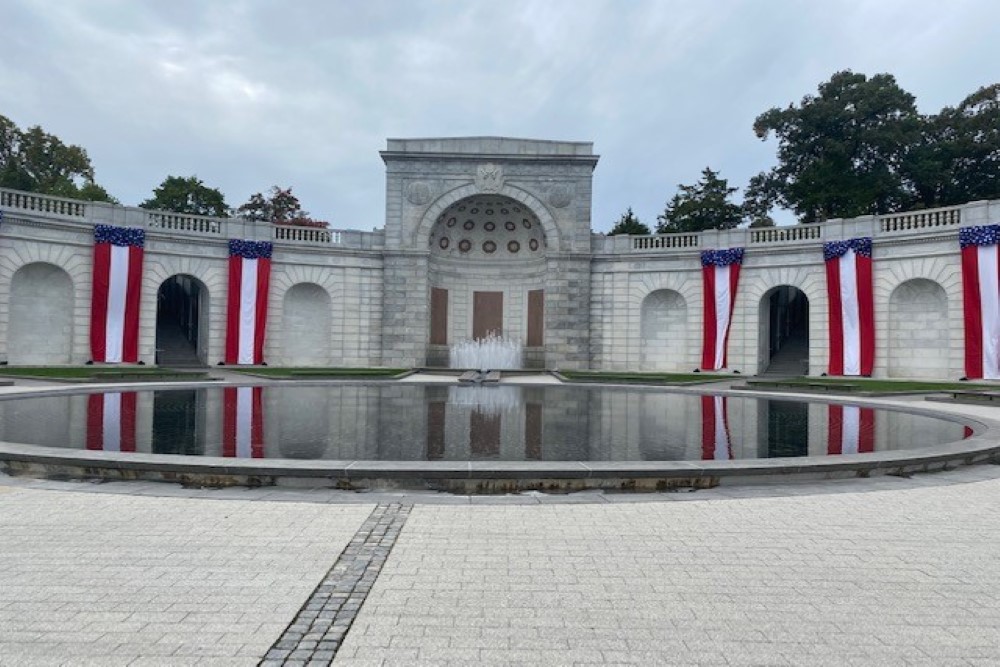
[(418, 193), (489, 177), (560, 195)]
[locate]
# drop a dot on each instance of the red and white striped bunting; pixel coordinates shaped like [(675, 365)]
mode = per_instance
[(117, 283), (246, 316), (850, 429), (243, 422), (111, 422), (852, 312)]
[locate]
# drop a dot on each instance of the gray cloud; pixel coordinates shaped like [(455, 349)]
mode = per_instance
[(250, 94)]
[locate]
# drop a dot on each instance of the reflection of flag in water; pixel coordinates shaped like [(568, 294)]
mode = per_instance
[(850, 430), (111, 422), (117, 282), (981, 300), (852, 313), (246, 316), (715, 444), (720, 270), (243, 423)]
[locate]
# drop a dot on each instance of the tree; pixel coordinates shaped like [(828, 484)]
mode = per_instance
[(704, 205), (841, 153), (280, 207), (629, 224), (187, 195), (957, 158), (36, 161)]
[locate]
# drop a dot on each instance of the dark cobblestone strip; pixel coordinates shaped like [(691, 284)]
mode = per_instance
[(318, 630)]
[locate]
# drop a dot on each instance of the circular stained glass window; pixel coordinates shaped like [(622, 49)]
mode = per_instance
[(489, 226), (489, 247), (513, 246), (465, 245), (526, 223), (451, 222), (533, 244), (509, 226), (444, 242), (469, 225)]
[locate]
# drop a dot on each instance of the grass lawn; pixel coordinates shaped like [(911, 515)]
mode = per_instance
[(95, 373), (303, 373), (646, 378)]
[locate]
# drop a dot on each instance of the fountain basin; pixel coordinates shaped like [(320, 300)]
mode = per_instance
[(486, 466)]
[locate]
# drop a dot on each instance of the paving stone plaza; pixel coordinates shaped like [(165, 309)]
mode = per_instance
[(886, 570)]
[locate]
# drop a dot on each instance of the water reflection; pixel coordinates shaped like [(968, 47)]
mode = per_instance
[(434, 423)]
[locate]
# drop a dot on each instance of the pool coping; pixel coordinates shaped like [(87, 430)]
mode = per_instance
[(499, 476)]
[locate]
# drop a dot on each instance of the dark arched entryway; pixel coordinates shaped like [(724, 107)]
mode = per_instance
[(784, 331), (182, 322)]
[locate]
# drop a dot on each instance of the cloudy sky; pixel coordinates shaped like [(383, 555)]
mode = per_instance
[(303, 93)]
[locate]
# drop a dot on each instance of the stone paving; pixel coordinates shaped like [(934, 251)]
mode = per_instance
[(885, 571), (88, 578)]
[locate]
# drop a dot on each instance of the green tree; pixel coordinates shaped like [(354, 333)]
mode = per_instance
[(36, 161), (629, 224), (841, 152), (187, 195), (280, 207), (704, 205), (957, 158)]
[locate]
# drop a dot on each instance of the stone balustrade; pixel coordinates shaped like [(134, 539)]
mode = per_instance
[(895, 224), (44, 207), (913, 222)]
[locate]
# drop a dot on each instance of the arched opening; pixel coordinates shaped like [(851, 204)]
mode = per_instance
[(40, 329), (784, 331), (487, 277), (182, 322), (664, 331), (306, 323), (918, 330)]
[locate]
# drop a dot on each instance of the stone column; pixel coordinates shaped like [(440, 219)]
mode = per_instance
[(405, 309), (567, 311)]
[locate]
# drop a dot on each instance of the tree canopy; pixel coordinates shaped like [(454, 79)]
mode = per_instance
[(629, 224), (35, 161), (704, 205), (860, 147), (187, 195), (280, 206)]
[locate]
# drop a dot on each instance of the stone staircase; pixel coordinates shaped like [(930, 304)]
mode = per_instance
[(173, 349), (791, 360)]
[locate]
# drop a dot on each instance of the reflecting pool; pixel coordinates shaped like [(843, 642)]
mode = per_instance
[(458, 423)]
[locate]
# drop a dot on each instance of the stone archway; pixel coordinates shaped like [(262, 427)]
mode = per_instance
[(663, 323), (918, 330), (40, 329), (784, 331), (306, 322), (182, 307), (487, 275)]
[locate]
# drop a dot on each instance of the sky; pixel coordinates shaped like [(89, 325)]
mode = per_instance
[(304, 93)]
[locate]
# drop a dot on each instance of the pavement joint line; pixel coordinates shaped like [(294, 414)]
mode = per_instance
[(321, 624)]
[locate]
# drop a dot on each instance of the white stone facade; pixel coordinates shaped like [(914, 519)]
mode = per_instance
[(348, 298)]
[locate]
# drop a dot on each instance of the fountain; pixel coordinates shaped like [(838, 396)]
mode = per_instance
[(486, 354)]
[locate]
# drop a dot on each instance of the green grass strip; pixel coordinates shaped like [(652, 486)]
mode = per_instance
[(289, 372), (649, 378)]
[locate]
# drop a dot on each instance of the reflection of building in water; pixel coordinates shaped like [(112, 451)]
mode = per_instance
[(507, 423)]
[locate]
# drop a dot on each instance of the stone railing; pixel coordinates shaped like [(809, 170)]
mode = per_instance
[(913, 220), (182, 222), (29, 202), (40, 207), (785, 234), (941, 220), (311, 235), (664, 241)]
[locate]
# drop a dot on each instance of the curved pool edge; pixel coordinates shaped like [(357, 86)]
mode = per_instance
[(471, 477)]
